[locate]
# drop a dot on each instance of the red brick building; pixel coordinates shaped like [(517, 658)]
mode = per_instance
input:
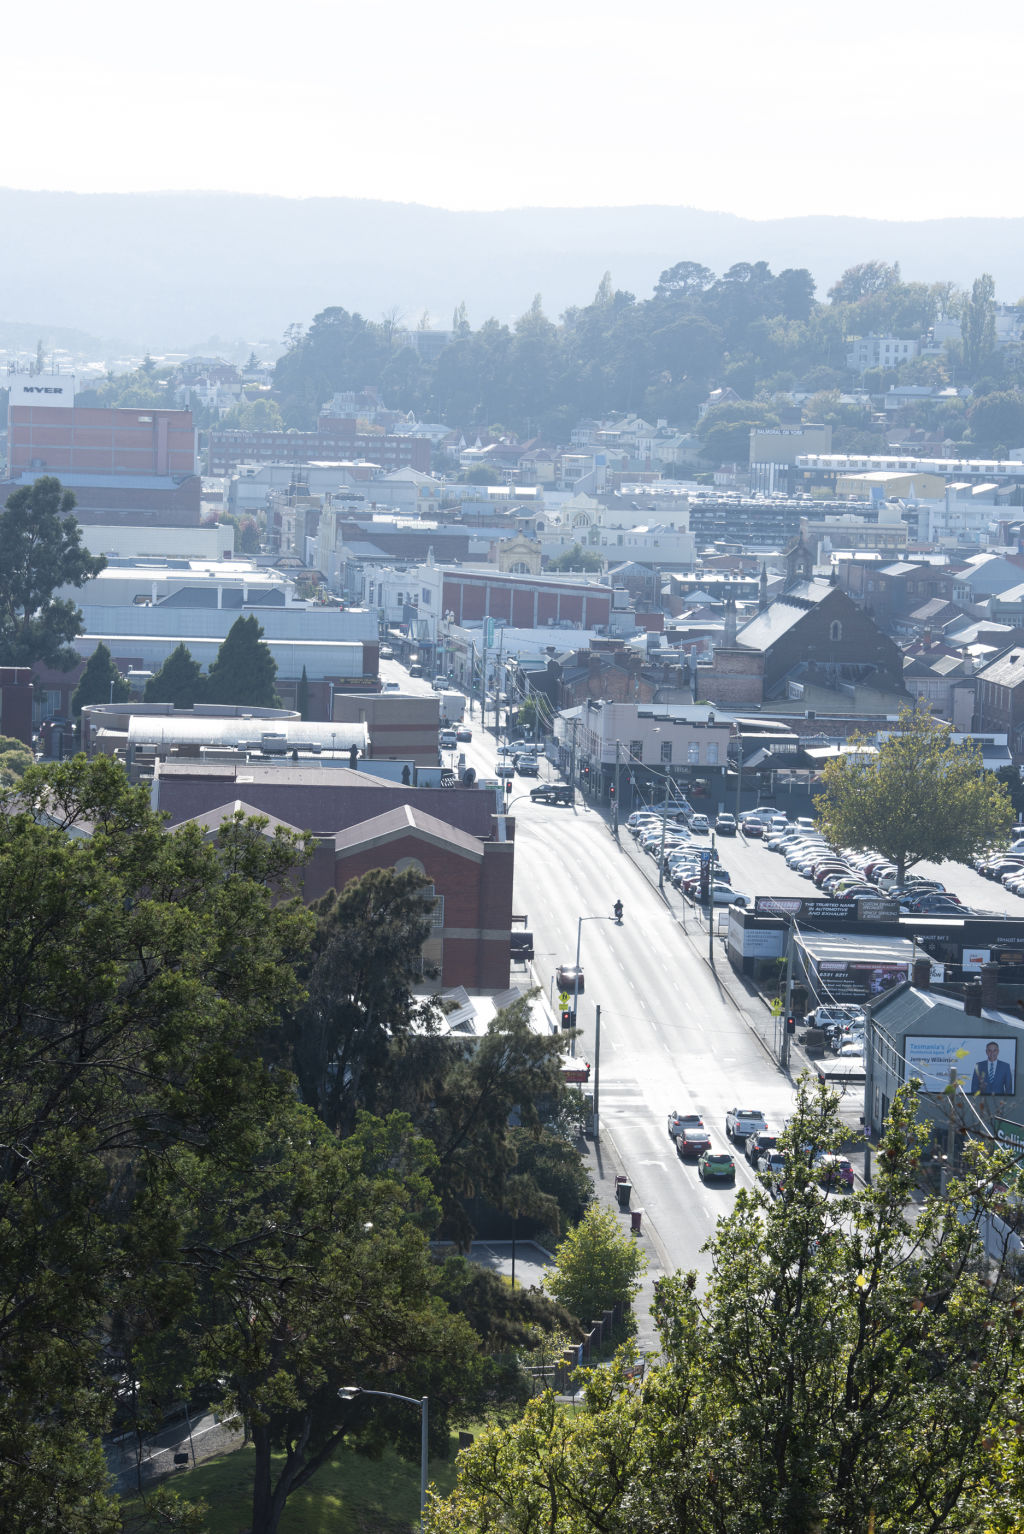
[(56, 440), (471, 876), (335, 440), (125, 467), (16, 703)]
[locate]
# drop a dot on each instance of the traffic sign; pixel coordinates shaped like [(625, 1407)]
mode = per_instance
[(563, 1000), (776, 1007)]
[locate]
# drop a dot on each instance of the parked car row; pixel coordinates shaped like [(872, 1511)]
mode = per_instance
[(1007, 868), (841, 873), (673, 844)]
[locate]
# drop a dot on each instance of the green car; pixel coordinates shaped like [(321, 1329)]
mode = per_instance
[(717, 1164)]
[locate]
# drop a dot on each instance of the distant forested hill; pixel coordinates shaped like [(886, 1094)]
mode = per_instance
[(170, 270)]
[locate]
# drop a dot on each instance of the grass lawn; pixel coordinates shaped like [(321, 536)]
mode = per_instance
[(351, 1495)]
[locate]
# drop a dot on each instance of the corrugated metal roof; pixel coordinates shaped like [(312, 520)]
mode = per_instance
[(245, 733)]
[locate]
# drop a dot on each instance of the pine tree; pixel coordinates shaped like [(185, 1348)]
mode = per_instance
[(244, 670), (100, 682), (179, 681), (302, 695)]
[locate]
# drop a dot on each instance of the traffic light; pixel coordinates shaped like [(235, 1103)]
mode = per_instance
[(791, 1024), (566, 1017), (611, 793)]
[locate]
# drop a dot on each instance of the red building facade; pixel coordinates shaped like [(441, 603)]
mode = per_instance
[(83, 440)]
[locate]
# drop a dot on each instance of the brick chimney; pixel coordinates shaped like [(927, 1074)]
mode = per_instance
[(990, 985), (972, 998), (922, 973)]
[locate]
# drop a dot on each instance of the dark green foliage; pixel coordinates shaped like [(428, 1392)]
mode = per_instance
[(465, 1107), (15, 760), (364, 958), (40, 551), (997, 418), (137, 968), (179, 681), (244, 671), (751, 329), (100, 682), (577, 558), (302, 695), (1010, 779)]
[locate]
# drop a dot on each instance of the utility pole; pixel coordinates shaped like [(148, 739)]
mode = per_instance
[(739, 776), (784, 1045), (615, 806), (664, 826), (711, 905), (597, 1074)]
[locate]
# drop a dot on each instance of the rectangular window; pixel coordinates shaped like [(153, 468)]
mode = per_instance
[(713, 753), (636, 750), (693, 753), (666, 750)]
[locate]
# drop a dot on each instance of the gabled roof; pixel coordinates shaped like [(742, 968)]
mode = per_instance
[(211, 821), (765, 628), (1006, 670), (398, 822)]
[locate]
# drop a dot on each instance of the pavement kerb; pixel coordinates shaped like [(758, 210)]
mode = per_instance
[(604, 1163)]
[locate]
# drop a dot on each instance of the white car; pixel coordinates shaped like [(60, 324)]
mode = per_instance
[(740, 1122), (699, 825)]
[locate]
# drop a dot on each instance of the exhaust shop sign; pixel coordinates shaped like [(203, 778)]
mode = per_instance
[(840, 980)]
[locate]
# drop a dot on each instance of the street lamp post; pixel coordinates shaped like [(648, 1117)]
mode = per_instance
[(576, 976), (350, 1392)]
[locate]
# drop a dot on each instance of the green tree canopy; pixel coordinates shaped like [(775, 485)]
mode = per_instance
[(978, 325), (100, 682), (597, 1265), (15, 760), (1011, 781), (920, 798), (577, 558), (179, 681), (244, 670), (40, 551), (252, 415), (365, 957), (308, 1268), (138, 969), (851, 1363), (997, 418)]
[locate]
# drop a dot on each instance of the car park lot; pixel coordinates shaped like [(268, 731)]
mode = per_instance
[(760, 872)]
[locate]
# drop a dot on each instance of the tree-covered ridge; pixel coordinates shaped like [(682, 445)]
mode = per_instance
[(749, 329)]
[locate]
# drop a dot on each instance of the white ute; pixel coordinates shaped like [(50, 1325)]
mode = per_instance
[(740, 1122)]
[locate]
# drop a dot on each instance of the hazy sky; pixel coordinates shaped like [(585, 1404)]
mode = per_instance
[(750, 108)]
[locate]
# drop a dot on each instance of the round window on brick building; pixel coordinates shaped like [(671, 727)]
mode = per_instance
[(404, 864)]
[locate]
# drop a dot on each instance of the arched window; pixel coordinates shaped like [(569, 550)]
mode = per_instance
[(405, 863), (836, 631)]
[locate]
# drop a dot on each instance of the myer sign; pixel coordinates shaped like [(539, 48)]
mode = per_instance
[(41, 388)]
